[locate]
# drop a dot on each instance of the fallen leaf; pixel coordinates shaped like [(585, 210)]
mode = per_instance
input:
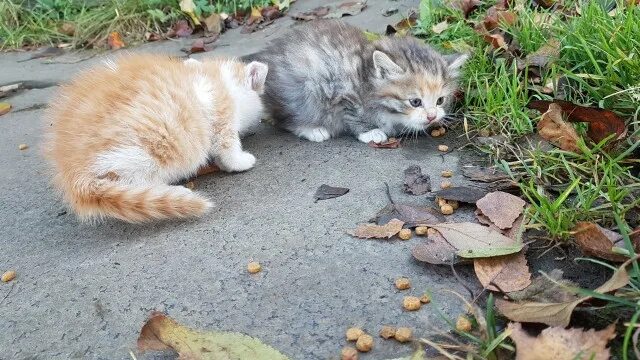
[(484, 174), (403, 26), (415, 182), (545, 3), (188, 7), (411, 215), (474, 240), (213, 23), (501, 208), (545, 55), (548, 288), (208, 169), (467, 6), (368, 231), (559, 313), (270, 13), (436, 250), (389, 11), (494, 17), (391, 143), (4, 108), (602, 123), (161, 332), (597, 241), (325, 192), (67, 28), (559, 343), (348, 8), (465, 194), (497, 41), (254, 17), (508, 273), (180, 29), (151, 36), (557, 131), (440, 27), (196, 47), (314, 14), (115, 41)]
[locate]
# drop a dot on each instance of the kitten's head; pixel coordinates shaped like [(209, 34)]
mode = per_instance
[(413, 82)]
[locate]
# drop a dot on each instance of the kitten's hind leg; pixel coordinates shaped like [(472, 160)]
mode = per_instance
[(316, 134), (232, 158), (375, 135)]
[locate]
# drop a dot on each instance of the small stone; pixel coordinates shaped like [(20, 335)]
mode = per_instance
[(445, 185), (463, 324), (403, 334), (349, 353), (364, 343), (387, 332), (354, 333), (425, 299), (421, 230), (443, 148), (447, 173), (405, 234), (8, 276), (403, 283), (23, 147), (446, 209), (411, 303), (254, 267)]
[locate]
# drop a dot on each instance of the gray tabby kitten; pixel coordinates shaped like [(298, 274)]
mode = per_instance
[(326, 79)]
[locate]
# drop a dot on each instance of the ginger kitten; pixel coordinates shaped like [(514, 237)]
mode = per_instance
[(122, 132)]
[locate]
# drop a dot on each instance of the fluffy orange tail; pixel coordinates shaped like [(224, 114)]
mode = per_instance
[(136, 203)]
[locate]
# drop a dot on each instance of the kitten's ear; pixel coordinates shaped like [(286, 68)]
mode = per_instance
[(384, 65), (256, 74), (455, 62)]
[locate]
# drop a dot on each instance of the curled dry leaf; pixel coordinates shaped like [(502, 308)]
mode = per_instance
[(415, 182), (597, 241), (114, 40), (496, 16), (602, 123), (557, 131), (316, 13), (558, 313), (501, 208), (508, 273), (545, 55), (368, 231), (391, 143), (467, 6), (180, 29), (162, 333), (547, 288), (559, 343), (325, 192), (474, 240), (435, 250), (410, 214), (348, 8), (465, 194), (213, 23)]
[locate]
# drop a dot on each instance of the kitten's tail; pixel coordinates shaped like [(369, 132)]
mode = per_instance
[(136, 203)]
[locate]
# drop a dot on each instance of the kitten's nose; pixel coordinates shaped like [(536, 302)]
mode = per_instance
[(431, 114), (431, 117)]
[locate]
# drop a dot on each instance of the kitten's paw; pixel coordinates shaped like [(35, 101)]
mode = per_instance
[(375, 135), (241, 161), (318, 134)]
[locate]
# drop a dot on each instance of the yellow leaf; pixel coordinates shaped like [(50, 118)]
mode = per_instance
[(188, 7), (4, 108)]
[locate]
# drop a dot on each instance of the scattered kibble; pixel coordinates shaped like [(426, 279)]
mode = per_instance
[(446, 209), (443, 131), (354, 333), (23, 147), (421, 230), (441, 201), (403, 334), (387, 332), (349, 353), (190, 185), (432, 231), (403, 283), (447, 173), (463, 324), (254, 267), (364, 343), (454, 204), (445, 185), (436, 133), (485, 133), (411, 303), (443, 148), (8, 276), (405, 234), (425, 299)]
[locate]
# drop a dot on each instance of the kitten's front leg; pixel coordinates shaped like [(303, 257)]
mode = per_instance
[(232, 158), (375, 135), (365, 131)]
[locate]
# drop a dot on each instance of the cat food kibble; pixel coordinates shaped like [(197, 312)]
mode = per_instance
[(447, 173), (421, 230), (403, 283), (436, 133), (405, 234), (364, 343), (441, 201), (411, 303), (463, 324), (446, 209), (23, 147), (454, 204), (403, 334), (445, 185), (190, 185), (443, 148), (443, 131), (354, 333), (425, 299), (387, 332), (254, 267), (349, 353), (8, 276)]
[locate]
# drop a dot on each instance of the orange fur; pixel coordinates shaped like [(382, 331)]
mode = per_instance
[(120, 133)]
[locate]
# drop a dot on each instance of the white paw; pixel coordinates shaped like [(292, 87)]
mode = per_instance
[(375, 135), (318, 134), (240, 161)]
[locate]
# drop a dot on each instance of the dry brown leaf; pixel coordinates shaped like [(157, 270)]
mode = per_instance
[(465, 194), (474, 240), (467, 6), (410, 214), (316, 13), (213, 23), (509, 273), (415, 182), (495, 17), (348, 8), (115, 41), (596, 241), (368, 231), (180, 29), (435, 250), (501, 208), (558, 343), (557, 314), (545, 55), (391, 143), (208, 169), (161, 332), (557, 131)]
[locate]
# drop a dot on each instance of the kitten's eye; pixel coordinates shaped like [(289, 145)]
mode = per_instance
[(415, 102), (440, 100)]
